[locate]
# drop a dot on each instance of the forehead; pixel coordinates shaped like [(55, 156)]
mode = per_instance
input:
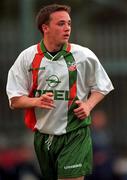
[(60, 16)]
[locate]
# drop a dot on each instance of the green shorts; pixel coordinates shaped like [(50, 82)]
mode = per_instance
[(64, 156)]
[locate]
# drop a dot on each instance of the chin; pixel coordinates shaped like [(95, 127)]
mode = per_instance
[(65, 41), (62, 42)]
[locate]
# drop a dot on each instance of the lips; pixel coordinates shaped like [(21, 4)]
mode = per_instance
[(66, 36)]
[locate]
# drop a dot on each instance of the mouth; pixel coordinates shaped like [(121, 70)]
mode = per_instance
[(66, 36)]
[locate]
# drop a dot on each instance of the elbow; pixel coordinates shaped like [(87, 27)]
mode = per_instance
[(12, 106), (13, 103)]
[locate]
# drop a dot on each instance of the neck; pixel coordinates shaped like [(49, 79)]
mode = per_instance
[(52, 47)]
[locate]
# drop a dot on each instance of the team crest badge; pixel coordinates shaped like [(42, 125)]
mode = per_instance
[(72, 66)]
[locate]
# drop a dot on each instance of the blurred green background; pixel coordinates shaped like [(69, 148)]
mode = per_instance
[(100, 25)]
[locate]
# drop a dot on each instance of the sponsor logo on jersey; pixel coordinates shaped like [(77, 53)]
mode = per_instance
[(53, 81), (58, 94)]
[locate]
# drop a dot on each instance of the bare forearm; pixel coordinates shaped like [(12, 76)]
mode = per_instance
[(45, 101), (84, 108), (22, 102), (94, 99)]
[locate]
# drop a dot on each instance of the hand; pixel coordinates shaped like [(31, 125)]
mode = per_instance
[(82, 111), (45, 101)]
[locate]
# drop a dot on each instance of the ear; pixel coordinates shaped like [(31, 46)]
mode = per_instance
[(45, 28)]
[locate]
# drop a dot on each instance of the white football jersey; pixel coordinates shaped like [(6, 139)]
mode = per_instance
[(69, 75)]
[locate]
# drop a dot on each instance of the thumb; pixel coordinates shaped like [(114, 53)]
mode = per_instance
[(78, 102), (50, 94)]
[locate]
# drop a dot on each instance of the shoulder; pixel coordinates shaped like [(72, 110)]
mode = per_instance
[(29, 52), (26, 57), (83, 53)]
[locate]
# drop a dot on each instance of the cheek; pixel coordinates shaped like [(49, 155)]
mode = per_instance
[(57, 31)]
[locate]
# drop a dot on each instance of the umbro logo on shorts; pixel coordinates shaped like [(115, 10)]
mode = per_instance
[(73, 166)]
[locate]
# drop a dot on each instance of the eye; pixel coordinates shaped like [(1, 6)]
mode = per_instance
[(61, 23), (69, 23)]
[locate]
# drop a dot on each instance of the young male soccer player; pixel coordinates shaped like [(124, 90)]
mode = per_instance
[(58, 83)]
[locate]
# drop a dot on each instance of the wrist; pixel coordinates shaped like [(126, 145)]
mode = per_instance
[(90, 106), (33, 102)]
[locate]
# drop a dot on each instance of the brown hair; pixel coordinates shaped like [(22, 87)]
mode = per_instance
[(43, 16)]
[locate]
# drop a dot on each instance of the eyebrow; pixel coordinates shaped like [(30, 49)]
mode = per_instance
[(64, 21)]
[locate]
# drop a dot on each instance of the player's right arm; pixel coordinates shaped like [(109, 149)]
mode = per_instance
[(45, 102), (19, 84)]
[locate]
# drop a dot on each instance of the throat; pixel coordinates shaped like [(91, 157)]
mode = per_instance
[(52, 48), (53, 53)]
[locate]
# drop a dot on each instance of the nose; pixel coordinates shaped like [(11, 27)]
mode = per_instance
[(67, 27)]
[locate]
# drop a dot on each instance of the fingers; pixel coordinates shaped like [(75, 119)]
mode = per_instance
[(82, 111), (48, 97), (81, 115), (77, 110), (47, 105), (47, 101), (78, 102)]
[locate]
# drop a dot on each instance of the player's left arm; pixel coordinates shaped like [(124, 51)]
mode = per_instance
[(84, 108)]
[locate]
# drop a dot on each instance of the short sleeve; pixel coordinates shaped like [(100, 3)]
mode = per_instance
[(98, 79), (18, 78)]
